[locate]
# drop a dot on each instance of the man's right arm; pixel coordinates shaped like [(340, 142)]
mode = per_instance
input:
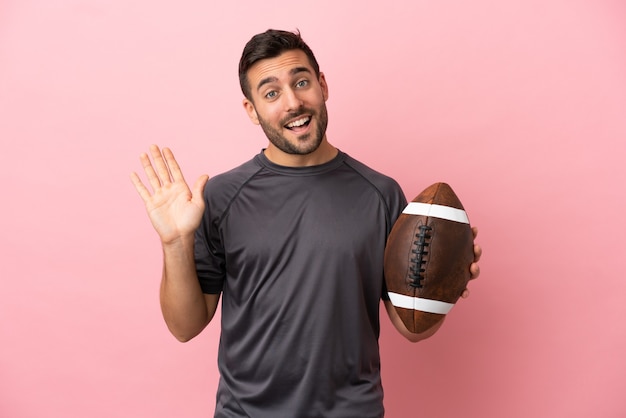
[(175, 211), (185, 308)]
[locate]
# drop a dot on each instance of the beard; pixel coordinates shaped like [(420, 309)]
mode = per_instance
[(304, 144)]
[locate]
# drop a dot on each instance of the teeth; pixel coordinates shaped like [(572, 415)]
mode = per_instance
[(298, 122)]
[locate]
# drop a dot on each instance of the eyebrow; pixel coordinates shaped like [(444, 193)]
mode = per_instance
[(273, 79)]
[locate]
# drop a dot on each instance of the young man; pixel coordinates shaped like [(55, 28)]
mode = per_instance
[(293, 240)]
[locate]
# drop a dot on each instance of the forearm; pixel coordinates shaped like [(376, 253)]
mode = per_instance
[(183, 304)]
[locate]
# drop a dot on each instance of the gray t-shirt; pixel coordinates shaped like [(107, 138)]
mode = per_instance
[(298, 255)]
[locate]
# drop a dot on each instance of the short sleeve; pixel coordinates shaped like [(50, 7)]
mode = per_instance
[(209, 256)]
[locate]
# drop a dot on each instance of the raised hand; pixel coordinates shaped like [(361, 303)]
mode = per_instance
[(174, 209)]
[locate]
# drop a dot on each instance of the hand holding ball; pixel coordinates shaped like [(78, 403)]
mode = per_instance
[(427, 257)]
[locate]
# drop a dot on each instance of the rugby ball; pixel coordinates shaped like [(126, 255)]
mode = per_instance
[(427, 257)]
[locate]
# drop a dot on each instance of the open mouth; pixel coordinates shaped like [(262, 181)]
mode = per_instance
[(298, 124)]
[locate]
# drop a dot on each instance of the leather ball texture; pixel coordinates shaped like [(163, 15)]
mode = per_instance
[(427, 257)]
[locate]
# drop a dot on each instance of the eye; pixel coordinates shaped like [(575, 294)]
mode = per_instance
[(271, 94), (302, 83)]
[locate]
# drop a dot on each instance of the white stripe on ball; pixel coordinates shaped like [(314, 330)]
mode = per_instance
[(420, 304), (436, 211)]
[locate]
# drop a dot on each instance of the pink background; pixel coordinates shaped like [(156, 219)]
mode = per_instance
[(520, 105)]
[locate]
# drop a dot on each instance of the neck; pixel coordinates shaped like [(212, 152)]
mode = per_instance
[(323, 154)]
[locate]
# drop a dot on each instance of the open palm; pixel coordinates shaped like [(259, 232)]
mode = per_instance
[(174, 209)]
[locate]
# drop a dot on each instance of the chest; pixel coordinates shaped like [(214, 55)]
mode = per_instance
[(269, 220)]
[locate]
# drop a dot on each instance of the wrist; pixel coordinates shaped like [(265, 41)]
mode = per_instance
[(178, 241)]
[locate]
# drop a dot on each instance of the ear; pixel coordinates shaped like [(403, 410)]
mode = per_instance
[(251, 111), (324, 85)]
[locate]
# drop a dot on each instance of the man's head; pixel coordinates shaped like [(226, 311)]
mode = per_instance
[(285, 93), (271, 44)]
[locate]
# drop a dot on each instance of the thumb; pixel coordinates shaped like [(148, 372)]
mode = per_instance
[(198, 187)]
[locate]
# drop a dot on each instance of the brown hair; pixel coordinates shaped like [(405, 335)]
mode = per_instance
[(271, 44)]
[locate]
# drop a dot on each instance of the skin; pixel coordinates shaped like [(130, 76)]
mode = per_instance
[(175, 211), (288, 101), (284, 90)]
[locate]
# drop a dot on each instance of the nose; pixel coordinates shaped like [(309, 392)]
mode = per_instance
[(292, 100)]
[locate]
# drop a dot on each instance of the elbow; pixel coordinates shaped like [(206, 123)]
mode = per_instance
[(183, 337), (183, 329), (186, 324)]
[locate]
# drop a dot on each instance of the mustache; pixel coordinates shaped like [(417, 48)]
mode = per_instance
[(296, 114)]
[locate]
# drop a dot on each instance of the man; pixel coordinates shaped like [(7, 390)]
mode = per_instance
[(293, 239)]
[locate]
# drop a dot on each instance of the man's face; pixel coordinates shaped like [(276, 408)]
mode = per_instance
[(289, 102)]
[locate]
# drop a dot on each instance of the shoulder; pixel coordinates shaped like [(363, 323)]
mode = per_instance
[(233, 178), (386, 187), (380, 181), (222, 188)]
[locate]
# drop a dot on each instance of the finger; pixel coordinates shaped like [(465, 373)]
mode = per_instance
[(478, 252), (174, 168), (474, 232), (141, 189), (198, 187), (465, 294), (474, 270), (160, 165), (153, 179)]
